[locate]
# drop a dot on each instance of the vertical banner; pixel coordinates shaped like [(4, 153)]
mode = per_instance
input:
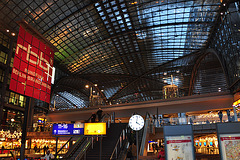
[(32, 67)]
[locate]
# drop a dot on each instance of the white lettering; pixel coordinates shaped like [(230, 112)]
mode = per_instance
[(40, 60)]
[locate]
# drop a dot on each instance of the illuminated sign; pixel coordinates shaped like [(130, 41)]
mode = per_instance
[(32, 67), (94, 128), (67, 129)]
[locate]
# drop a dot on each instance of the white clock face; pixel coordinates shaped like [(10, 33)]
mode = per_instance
[(136, 122)]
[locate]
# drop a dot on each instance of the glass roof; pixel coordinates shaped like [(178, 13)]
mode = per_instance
[(129, 48)]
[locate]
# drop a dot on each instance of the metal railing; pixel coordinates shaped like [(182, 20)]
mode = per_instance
[(105, 118), (84, 149), (147, 120), (119, 144)]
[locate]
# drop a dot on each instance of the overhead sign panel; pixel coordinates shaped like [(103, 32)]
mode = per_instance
[(67, 129), (94, 129), (32, 67)]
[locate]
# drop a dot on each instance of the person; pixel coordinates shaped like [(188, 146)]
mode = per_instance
[(48, 156), (220, 115), (2, 149), (44, 149), (129, 154), (35, 148), (191, 121), (154, 145), (99, 113), (161, 154), (93, 117), (134, 151), (154, 120), (229, 115)]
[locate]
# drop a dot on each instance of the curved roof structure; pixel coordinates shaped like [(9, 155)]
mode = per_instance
[(129, 49)]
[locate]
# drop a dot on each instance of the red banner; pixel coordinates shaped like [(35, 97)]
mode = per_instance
[(178, 141), (32, 67), (229, 138)]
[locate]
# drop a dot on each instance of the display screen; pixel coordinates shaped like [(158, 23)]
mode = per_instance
[(204, 143), (32, 67), (67, 129), (211, 143)]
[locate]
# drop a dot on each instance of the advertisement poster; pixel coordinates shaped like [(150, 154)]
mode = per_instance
[(230, 146), (179, 147), (32, 67)]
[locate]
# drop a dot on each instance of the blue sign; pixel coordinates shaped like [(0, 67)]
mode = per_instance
[(67, 129)]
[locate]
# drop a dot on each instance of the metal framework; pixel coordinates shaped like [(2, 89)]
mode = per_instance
[(130, 49)]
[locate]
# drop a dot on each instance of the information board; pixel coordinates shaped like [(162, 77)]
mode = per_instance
[(179, 147), (32, 67), (67, 129), (230, 146), (94, 129)]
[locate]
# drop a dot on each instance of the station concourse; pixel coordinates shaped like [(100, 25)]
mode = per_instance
[(73, 72)]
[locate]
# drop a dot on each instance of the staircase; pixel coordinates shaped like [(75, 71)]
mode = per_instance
[(108, 142)]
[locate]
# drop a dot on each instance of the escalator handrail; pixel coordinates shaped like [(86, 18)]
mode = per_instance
[(84, 149), (117, 143), (76, 144)]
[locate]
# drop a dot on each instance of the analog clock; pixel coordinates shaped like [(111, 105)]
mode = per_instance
[(136, 122)]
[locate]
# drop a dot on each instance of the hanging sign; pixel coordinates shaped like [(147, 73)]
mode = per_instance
[(67, 129), (32, 67), (94, 129)]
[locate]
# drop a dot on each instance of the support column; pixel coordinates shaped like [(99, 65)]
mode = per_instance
[(24, 128), (30, 116), (56, 147), (5, 80)]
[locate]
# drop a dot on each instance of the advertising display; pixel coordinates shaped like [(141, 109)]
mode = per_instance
[(67, 129), (179, 148), (230, 146), (94, 129), (32, 67)]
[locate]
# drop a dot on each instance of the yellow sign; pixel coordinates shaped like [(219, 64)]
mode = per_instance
[(94, 129)]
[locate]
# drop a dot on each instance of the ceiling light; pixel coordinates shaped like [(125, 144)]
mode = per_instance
[(165, 73), (13, 34), (95, 85), (87, 86), (7, 30), (177, 71), (102, 90)]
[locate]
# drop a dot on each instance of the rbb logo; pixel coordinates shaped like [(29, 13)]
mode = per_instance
[(39, 60)]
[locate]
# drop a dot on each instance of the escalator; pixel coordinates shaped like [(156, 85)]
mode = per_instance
[(108, 142), (77, 147)]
